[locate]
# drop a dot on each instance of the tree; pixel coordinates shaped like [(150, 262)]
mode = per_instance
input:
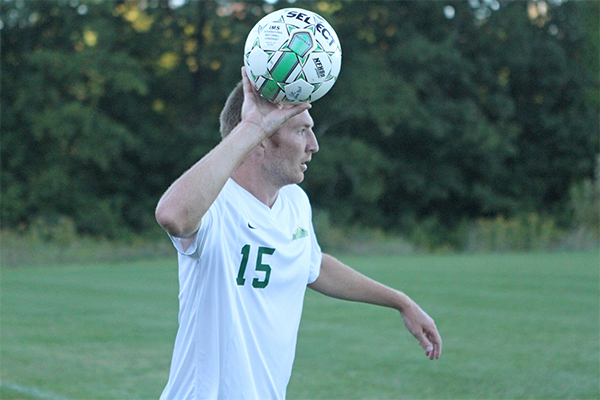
[(442, 112), (485, 114)]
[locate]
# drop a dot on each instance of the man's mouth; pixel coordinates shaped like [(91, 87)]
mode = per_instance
[(304, 165)]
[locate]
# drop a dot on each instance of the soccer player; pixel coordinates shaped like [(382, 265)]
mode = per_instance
[(247, 252)]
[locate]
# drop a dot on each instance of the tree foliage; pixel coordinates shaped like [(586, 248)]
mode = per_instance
[(443, 111)]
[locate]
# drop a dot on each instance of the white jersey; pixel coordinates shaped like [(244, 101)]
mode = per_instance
[(242, 285)]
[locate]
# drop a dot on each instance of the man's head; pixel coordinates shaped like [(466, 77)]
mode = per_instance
[(282, 156)]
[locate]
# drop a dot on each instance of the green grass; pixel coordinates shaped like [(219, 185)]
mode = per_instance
[(89, 332), (514, 326)]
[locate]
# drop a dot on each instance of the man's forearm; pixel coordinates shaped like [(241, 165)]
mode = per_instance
[(181, 208), (342, 282)]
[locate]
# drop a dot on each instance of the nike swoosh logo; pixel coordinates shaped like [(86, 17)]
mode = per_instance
[(250, 226)]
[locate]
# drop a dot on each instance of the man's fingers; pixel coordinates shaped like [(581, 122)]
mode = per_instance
[(438, 346), (431, 342), (434, 351), (424, 330), (248, 89), (425, 344), (295, 110)]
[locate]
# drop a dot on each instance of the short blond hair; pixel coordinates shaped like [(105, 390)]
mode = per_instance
[(231, 115)]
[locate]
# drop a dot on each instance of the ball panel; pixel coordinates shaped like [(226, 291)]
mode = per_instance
[(299, 91), (301, 42), (257, 60), (282, 64), (336, 63), (273, 36), (269, 89), (317, 67)]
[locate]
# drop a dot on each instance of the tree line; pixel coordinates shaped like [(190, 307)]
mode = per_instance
[(444, 112)]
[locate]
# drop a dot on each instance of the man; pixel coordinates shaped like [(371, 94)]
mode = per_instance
[(247, 252)]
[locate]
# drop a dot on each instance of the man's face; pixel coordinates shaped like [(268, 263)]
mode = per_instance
[(289, 150)]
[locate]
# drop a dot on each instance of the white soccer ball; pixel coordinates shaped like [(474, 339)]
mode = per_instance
[(292, 56)]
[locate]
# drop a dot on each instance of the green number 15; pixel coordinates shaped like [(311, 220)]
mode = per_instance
[(256, 283)]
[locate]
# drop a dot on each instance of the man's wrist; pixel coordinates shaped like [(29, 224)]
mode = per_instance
[(403, 302), (253, 131)]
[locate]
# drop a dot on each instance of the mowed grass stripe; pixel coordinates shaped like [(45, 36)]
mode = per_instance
[(11, 391), (514, 326)]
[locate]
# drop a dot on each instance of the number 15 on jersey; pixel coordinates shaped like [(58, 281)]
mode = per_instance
[(260, 266)]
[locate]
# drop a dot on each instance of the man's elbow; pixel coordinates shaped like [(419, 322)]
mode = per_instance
[(171, 222), (163, 217)]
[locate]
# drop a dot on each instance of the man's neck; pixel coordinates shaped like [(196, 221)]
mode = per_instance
[(256, 187)]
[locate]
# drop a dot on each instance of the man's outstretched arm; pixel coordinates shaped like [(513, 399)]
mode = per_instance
[(342, 282)]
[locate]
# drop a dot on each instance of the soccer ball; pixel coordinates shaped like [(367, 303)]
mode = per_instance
[(292, 56)]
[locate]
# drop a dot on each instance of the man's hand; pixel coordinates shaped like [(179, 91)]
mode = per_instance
[(264, 114), (423, 329)]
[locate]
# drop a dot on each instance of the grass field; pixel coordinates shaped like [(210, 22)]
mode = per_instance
[(514, 326)]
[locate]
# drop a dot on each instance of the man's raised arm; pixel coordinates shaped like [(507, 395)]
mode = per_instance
[(182, 206)]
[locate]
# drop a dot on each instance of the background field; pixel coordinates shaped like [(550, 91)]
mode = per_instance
[(514, 326)]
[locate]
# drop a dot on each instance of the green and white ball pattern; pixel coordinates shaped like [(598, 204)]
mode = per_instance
[(293, 56)]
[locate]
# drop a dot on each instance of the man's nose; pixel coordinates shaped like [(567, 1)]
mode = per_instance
[(313, 144)]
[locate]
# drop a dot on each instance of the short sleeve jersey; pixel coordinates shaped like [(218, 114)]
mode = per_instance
[(242, 285)]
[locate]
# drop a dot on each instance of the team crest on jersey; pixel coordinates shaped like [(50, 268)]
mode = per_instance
[(299, 234)]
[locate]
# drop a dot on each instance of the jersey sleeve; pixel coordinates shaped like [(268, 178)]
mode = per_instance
[(191, 246)]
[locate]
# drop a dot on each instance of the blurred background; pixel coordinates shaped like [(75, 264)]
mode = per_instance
[(455, 126)]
